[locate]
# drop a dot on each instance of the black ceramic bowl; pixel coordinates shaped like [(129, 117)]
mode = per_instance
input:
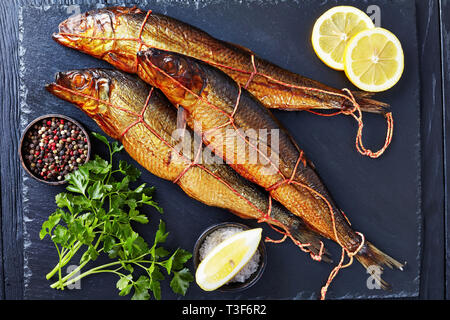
[(24, 137), (234, 286)]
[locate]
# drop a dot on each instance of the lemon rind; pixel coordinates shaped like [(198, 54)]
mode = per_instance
[(323, 56), (400, 59), (199, 279)]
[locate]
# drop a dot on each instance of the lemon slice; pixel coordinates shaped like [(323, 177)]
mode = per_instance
[(227, 259), (374, 60), (334, 29)]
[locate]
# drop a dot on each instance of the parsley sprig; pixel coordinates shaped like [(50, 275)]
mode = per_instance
[(96, 216)]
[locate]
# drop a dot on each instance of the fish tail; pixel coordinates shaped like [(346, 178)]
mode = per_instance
[(367, 104), (369, 256)]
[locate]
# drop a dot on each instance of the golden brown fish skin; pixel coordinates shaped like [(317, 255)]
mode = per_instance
[(218, 95), (218, 90), (147, 148), (169, 34)]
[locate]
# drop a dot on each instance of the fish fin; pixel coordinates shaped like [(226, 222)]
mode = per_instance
[(122, 61), (302, 234), (363, 94), (370, 256), (125, 10), (367, 104), (305, 235), (239, 47), (240, 215)]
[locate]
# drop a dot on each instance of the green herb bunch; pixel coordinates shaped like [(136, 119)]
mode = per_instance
[(96, 216)]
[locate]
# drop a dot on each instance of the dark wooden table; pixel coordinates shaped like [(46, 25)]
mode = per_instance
[(433, 27)]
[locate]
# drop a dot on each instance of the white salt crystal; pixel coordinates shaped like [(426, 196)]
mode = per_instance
[(220, 235)]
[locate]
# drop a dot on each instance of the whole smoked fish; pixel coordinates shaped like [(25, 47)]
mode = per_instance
[(218, 106), (116, 34)]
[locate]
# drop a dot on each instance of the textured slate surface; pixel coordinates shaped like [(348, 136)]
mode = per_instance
[(432, 283), (445, 43), (11, 222), (381, 197)]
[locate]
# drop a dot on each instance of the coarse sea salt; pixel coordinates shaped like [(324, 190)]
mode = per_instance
[(220, 235)]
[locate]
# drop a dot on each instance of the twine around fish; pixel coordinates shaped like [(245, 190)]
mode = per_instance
[(354, 112), (265, 215), (284, 180)]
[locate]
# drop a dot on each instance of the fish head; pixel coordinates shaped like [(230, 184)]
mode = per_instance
[(179, 77), (83, 32), (90, 90), (87, 89), (95, 33)]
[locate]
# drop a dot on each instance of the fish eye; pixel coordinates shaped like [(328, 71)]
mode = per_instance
[(170, 66), (79, 80)]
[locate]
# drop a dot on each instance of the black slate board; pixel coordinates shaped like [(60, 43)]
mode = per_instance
[(381, 197), (445, 60), (432, 276)]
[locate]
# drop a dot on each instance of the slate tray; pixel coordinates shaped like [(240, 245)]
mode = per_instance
[(381, 197), (445, 41)]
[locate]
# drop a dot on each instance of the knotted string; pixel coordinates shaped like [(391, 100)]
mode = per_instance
[(355, 112), (283, 181), (264, 216)]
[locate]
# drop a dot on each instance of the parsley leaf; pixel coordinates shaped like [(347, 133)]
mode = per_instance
[(97, 215), (181, 280)]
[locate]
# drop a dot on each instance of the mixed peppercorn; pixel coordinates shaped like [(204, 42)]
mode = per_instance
[(54, 147)]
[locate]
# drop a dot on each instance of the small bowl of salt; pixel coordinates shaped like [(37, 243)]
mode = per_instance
[(218, 233)]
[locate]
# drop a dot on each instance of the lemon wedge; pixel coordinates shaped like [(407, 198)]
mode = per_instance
[(334, 29), (227, 259), (374, 60)]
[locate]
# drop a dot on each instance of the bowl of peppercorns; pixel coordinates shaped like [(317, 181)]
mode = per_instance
[(53, 146)]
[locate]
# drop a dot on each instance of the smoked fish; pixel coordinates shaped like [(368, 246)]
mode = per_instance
[(220, 110), (144, 121), (116, 34)]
